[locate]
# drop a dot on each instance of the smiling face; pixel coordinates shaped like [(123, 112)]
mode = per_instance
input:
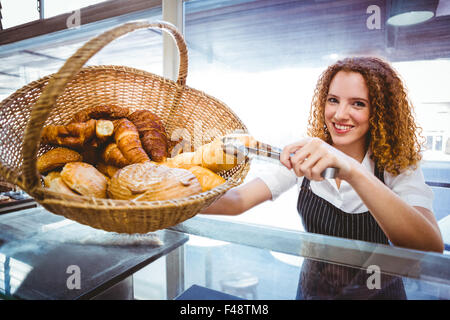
[(347, 111)]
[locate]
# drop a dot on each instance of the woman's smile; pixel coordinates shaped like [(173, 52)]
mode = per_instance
[(342, 128)]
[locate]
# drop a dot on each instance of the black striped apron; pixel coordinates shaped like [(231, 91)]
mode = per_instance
[(320, 280)]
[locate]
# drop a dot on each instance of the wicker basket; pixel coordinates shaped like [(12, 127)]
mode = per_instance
[(55, 98)]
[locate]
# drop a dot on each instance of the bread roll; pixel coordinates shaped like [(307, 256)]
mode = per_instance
[(183, 160), (148, 182), (212, 156), (208, 179), (56, 158), (85, 179), (54, 182)]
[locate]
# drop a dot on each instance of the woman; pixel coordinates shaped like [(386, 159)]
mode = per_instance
[(361, 123)]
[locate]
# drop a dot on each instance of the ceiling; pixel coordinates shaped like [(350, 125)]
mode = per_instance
[(246, 35)]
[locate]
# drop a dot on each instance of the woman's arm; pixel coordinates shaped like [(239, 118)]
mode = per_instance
[(240, 199), (404, 225)]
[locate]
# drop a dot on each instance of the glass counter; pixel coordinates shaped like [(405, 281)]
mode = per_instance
[(248, 261)]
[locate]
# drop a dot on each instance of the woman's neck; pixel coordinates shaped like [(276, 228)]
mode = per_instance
[(356, 153)]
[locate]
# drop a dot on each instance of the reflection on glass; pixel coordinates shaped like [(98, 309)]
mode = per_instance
[(12, 273)]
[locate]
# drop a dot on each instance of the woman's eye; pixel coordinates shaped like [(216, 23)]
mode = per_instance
[(332, 100), (360, 104)]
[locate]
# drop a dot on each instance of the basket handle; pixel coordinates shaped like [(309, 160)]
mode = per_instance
[(56, 85)]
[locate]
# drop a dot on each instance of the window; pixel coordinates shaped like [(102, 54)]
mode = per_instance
[(15, 12), (263, 58), (56, 7)]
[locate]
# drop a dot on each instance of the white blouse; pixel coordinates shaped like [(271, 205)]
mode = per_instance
[(409, 185)]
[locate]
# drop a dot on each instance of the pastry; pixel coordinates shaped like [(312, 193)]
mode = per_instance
[(208, 179), (107, 169), (73, 135), (54, 182), (112, 155), (56, 158), (148, 182), (152, 133), (127, 139), (84, 179), (100, 112)]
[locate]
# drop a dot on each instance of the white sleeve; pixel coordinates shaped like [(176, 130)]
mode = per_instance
[(278, 179), (411, 187)]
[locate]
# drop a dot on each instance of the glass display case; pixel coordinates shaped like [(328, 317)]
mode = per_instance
[(204, 258)]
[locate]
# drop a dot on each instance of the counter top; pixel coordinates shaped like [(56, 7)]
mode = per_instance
[(45, 256)]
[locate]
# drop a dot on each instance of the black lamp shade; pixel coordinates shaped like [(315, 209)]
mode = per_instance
[(409, 12)]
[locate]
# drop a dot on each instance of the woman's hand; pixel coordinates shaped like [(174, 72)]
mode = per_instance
[(312, 156)]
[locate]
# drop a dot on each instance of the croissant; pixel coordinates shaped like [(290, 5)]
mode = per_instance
[(56, 158), (112, 155), (127, 138), (73, 135), (152, 133), (100, 112)]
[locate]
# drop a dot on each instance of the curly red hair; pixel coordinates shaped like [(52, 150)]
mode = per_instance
[(394, 138)]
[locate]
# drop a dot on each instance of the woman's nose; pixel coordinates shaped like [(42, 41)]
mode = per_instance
[(342, 111)]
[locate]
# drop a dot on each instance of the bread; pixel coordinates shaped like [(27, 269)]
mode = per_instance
[(152, 133), (183, 160), (103, 130), (128, 141), (51, 176), (107, 169), (84, 179), (54, 182), (73, 135), (100, 112), (148, 182), (56, 158), (212, 156), (208, 179), (112, 155)]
